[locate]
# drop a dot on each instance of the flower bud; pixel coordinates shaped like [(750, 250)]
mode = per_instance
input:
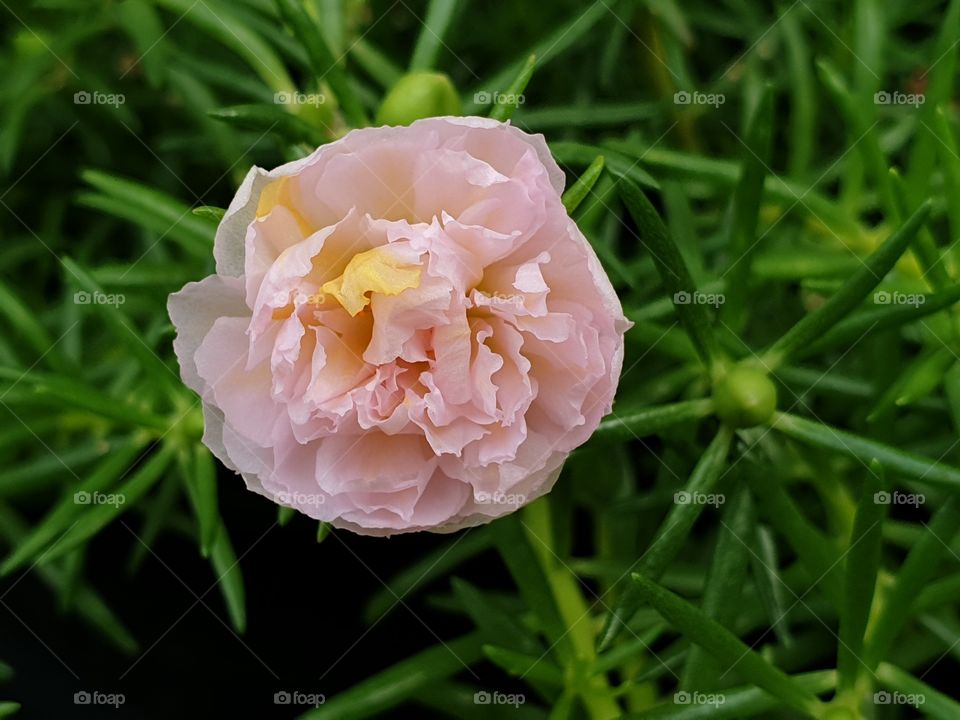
[(419, 95), (745, 397)]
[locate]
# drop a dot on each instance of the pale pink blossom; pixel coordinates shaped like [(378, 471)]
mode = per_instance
[(405, 330)]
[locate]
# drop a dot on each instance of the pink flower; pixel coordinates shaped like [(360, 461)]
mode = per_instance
[(405, 330)]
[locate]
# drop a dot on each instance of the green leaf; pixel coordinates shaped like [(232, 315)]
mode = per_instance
[(745, 210), (861, 131), (507, 102), (770, 586), (575, 194), (433, 565), (619, 165), (25, 325), (917, 569), (266, 119), (431, 38), (594, 115), (322, 61), (625, 423), (951, 387), (6, 672), (916, 467), (857, 326), (230, 578), (66, 513), (216, 18), (150, 208), (675, 276), (940, 79), (44, 470), (724, 587), (380, 67), (67, 392), (738, 703), (99, 516), (861, 566), (396, 684), (200, 478), (672, 533), (935, 704), (323, 530), (950, 164), (551, 46), (285, 515), (210, 212), (915, 381), (727, 648), (9, 709), (142, 22), (816, 553), (534, 668), (531, 579), (88, 605), (851, 294), (124, 331), (495, 624), (723, 175)]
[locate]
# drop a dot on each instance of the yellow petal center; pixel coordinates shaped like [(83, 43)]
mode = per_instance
[(377, 270), (278, 193)]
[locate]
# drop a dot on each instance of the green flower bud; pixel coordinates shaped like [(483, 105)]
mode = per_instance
[(745, 397), (419, 95)]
